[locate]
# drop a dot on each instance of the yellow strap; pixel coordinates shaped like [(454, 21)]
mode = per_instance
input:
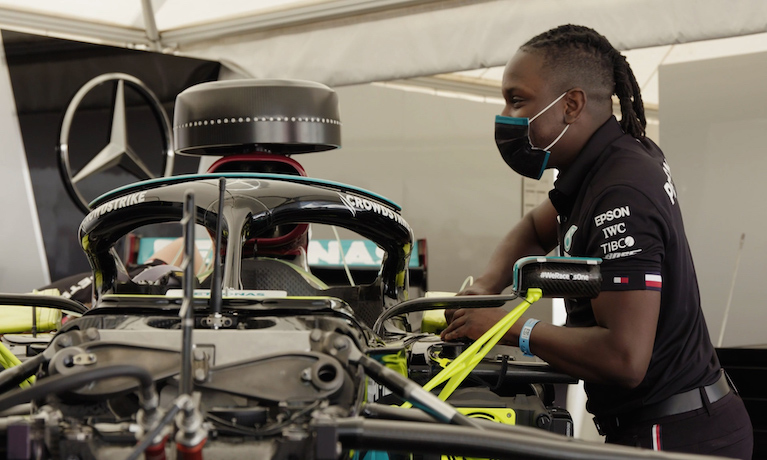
[(9, 360), (461, 367)]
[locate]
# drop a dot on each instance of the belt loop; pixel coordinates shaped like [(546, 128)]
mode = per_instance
[(704, 398), (730, 382)]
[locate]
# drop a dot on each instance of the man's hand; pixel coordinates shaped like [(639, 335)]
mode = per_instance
[(471, 322), (477, 288)]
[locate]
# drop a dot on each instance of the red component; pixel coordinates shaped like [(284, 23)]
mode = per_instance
[(131, 249), (287, 241), (156, 451), (269, 163), (190, 453)]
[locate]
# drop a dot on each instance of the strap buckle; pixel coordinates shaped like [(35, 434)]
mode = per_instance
[(606, 424), (599, 426)]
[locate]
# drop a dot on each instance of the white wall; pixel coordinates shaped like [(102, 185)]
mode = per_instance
[(713, 129), (23, 266)]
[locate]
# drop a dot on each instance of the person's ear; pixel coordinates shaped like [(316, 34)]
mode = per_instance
[(575, 102)]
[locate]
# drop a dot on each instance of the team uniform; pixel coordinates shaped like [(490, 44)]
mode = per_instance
[(617, 202)]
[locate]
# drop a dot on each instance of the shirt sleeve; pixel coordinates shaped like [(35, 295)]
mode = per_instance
[(627, 232)]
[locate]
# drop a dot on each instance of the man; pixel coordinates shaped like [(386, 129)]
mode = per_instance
[(642, 345)]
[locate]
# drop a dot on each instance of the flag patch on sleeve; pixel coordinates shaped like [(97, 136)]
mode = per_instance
[(653, 281), (621, 280)]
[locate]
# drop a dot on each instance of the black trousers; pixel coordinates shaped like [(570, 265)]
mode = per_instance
[(722, 429)]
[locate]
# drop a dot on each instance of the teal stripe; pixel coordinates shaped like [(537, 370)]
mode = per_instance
[(284, 177), (545, 162), (519, 121)]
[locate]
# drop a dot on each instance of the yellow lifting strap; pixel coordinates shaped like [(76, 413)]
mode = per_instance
[(461, 367)]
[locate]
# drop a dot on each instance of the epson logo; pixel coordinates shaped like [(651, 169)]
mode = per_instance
[(617, 213)]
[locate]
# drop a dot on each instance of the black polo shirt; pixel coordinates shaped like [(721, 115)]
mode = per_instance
[(617, 202)]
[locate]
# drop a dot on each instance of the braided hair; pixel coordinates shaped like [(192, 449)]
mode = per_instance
[(582, 57)]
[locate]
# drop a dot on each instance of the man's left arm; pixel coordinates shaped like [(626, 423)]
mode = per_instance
[(617, 350)]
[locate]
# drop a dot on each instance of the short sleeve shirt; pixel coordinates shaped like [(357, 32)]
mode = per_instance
[(617, 201)]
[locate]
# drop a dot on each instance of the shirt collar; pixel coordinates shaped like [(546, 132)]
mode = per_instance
[(569, 183)]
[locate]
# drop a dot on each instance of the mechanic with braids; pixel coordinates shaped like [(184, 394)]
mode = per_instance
[(642, 346)]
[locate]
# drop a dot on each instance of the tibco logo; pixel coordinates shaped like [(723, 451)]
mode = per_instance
[(623, 243)]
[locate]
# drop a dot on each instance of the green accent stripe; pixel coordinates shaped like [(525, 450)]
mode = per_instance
[(543, 167), (512, 120)]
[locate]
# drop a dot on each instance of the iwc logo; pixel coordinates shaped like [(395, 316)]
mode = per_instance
[(568, 240), (118, 151)]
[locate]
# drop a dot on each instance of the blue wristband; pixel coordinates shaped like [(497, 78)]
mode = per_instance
[(524, 336)]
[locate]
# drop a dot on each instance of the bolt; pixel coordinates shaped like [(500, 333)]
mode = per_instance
[(199, 355), (306, 375), (543, 421), (199, 375), (339, 343), (92, 333), (65, 341), (316, 335)]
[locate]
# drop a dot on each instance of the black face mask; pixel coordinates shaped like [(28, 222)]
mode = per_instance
[(512, 136)]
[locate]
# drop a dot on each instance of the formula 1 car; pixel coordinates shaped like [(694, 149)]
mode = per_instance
[(259, 359)]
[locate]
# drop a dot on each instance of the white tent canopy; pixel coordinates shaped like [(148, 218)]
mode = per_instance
[(342, 42)]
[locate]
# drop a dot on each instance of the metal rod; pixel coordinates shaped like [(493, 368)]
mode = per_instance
[(150, 25), (187, 305), (215, 288), (732, 290)]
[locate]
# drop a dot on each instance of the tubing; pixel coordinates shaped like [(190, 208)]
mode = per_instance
[(186, 382), (62, 383), (411, 391), (434, 438), (16, 375), (215, 289), (47, 301), (436, 303)]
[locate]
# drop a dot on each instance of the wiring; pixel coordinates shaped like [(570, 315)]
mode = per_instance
[(468, 281), (269, 430), (343, 256), (62, 383)]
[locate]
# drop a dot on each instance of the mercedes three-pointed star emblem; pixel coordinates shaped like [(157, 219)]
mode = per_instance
[(118, 151)]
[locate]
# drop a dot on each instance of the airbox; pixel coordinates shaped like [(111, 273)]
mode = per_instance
[(241, 116)]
